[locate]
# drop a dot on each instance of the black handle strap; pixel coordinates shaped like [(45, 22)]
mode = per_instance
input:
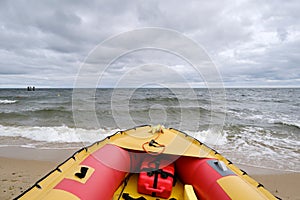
[(126, 196)]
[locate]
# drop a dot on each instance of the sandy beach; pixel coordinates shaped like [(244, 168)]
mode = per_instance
[(18, 174), (285, 185), (22, 167)]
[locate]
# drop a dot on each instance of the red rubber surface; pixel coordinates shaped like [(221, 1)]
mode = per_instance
[(198, 173), (111, 164)]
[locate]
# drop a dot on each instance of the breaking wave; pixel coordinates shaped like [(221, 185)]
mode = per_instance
[(7, 101)]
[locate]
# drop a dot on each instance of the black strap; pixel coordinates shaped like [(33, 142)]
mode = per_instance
[(156, 172), (163, 174), (125, 181), (154, 182), (126, 196)]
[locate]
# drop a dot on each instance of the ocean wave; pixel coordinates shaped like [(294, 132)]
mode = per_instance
[(36, 109), (7, 101), (210, 137), (65, 134), (174, 99), (58, 109), (259, 117), (60, 134), (172, 109), (287, 123), (252, 144), (28, 113)]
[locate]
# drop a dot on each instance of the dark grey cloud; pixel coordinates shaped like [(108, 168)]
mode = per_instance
[(254, 43)]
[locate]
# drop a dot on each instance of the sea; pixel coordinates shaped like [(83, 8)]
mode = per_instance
[(257, 127)]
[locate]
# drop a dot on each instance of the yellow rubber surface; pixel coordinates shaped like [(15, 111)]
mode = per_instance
[(189, 193), (241, 189)]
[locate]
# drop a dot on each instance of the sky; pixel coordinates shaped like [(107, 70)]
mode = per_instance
[(251, 43)]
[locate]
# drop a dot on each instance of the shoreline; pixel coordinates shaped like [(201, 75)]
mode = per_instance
[(21, 167)]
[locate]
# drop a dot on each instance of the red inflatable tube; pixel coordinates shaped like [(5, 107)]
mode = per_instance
[(111, 165), (202, 176)]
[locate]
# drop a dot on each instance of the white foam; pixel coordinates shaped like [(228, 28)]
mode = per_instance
[(254, 144), (7, 101), (250, 146), (276, 118), (210, 136), (60, 134), (64, 134)]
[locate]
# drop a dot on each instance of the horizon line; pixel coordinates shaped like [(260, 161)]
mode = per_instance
[(225, 87)]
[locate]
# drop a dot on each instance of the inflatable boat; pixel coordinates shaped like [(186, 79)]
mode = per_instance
[(147, 163)]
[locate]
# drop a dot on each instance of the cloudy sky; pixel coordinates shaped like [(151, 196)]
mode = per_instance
[(252, 43)]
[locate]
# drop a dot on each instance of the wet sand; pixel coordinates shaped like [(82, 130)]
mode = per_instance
[(19, 172)]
